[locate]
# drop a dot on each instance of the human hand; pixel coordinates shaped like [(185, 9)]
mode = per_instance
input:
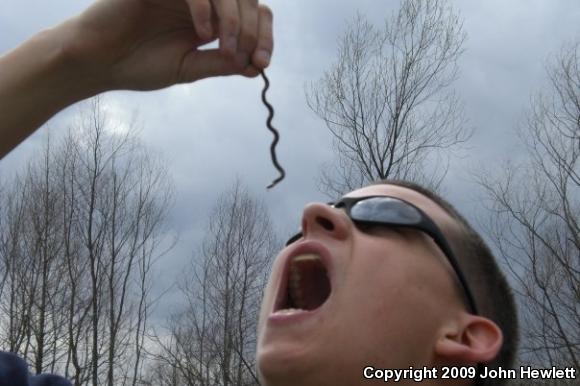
[(151, 44)]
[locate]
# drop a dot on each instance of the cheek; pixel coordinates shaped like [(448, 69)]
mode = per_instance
[(389, 307), (373, 296), (379, 295), (376, 279)]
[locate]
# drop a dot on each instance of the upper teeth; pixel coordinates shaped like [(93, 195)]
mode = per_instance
[(308, 256)]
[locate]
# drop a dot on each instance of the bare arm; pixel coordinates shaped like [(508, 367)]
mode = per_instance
[(128, 44), (34, 85)]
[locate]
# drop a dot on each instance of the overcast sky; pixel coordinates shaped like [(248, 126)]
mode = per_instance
[(214, 130)]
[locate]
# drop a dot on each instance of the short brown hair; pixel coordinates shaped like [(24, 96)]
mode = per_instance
[(490, 288)]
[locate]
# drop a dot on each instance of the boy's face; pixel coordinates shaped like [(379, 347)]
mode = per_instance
[(390, 293)]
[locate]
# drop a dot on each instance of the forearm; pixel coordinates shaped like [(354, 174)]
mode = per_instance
[(37, 80), (134, 45)]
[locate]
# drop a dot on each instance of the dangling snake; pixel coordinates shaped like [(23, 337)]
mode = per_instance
[(273, 130)]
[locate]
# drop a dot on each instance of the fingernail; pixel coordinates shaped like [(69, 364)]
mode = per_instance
[(263, 57)]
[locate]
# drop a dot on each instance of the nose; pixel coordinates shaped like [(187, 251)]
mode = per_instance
[(325, 221)]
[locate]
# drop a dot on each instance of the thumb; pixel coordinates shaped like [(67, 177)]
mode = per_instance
[(212, 62)]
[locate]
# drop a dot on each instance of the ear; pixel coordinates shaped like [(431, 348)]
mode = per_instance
[(475, 339)]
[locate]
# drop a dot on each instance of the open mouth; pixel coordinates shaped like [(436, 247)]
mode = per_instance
[(307, 287)]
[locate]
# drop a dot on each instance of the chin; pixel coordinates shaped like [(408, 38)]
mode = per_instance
[(279, 360), (284, 364)]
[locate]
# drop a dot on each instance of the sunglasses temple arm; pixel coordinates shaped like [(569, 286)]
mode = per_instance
[(459, 273)]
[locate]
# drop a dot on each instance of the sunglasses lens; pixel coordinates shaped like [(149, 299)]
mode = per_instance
[(385, 209), (380, 210)]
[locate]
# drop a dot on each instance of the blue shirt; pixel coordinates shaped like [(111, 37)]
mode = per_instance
[(14, 372)]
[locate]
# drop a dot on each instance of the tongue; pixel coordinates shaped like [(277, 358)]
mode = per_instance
[(313, 283)]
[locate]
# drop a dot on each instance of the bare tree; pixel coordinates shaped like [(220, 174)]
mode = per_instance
[(82, 230), (388, 100), (3, 268), (212, 338), (29, 250), (15, 305), (535, 219)]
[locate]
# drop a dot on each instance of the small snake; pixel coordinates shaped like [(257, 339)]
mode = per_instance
[(273, 130)]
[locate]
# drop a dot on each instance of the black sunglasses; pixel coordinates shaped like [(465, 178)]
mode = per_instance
[(395, 212)]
